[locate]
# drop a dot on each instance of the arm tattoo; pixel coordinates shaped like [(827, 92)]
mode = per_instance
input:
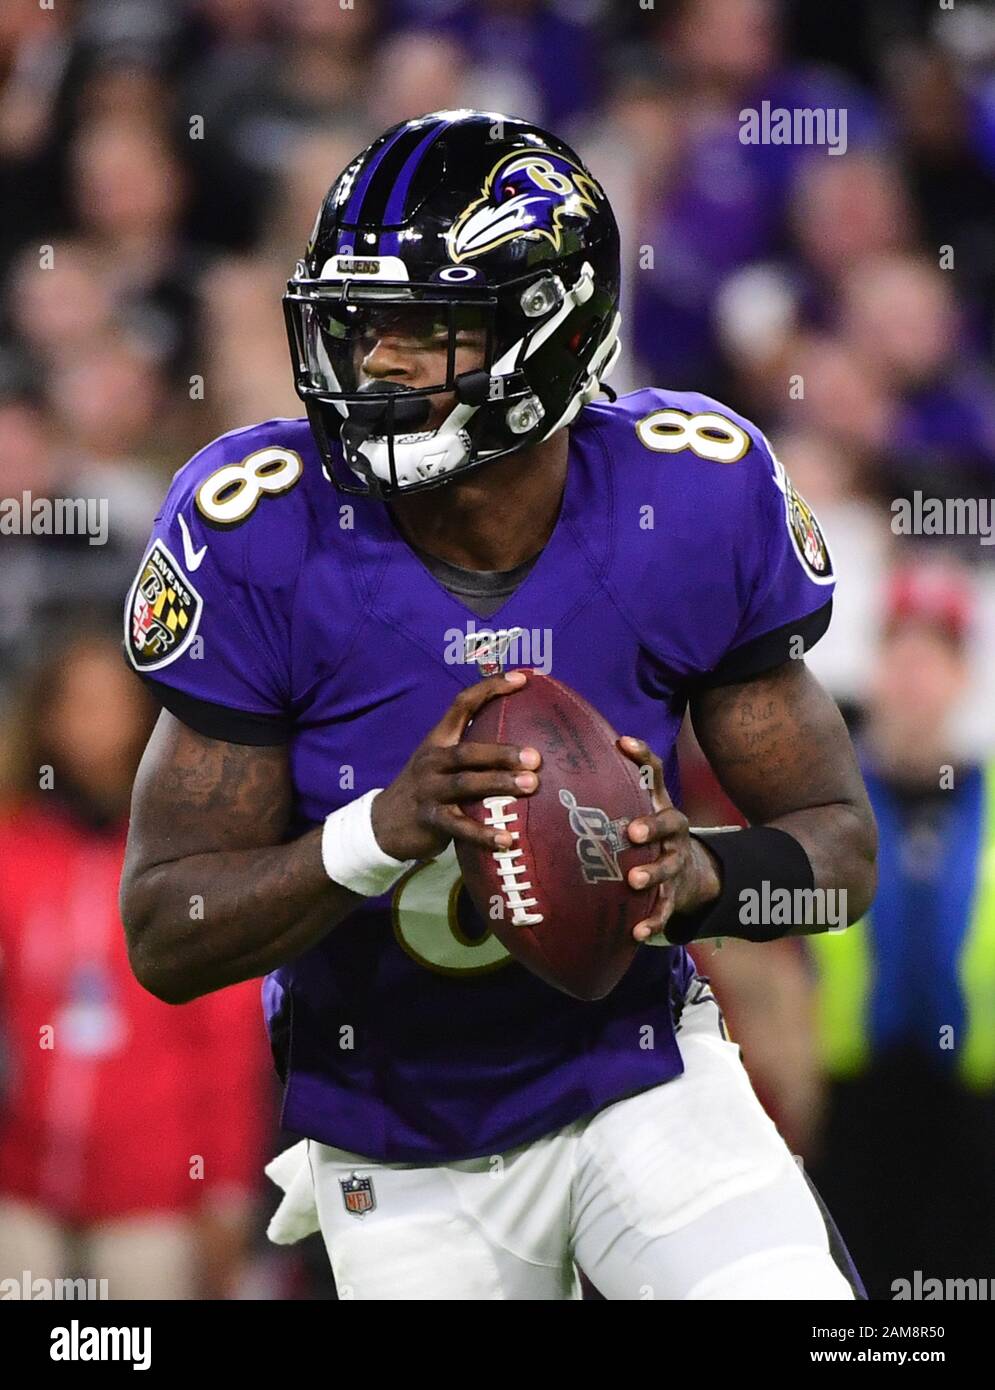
[(781, 751), (208, 821)]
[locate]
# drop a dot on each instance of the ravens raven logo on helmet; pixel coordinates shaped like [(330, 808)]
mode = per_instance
[(524, 195)]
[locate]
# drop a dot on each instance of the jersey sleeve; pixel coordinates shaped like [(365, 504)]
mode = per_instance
[(207, 619), (790, 600)]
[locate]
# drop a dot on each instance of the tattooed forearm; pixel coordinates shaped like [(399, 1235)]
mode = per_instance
[(209, 895), (780, 749), (224, 789)]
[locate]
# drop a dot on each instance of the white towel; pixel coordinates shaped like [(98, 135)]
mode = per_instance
[(297, 1215)]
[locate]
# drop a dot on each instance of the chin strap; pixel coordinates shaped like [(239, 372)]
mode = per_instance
[(416, 457)]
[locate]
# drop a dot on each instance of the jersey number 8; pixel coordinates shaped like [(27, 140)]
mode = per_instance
[(231, 493), (709, 435), (426, 924)]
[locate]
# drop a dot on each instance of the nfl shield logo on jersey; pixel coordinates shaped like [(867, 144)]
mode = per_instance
[(489, 649), (357, 1194)]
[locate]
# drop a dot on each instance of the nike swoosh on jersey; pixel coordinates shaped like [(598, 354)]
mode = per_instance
[(193, 558)]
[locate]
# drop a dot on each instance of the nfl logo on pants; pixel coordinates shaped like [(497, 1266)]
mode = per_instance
[(357, 1194)]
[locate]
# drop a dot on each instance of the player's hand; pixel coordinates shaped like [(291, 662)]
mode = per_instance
[(686, 870), (419, 813)]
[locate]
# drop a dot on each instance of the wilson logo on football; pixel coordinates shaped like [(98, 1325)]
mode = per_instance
[(599, 839)]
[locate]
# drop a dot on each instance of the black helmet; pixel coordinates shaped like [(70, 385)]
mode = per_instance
[(456, 222)]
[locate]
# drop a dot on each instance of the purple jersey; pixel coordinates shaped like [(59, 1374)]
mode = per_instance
[(271, 608)]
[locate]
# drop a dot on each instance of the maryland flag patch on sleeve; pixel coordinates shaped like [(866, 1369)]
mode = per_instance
[(809, 542), (806, 534), (162, 612)]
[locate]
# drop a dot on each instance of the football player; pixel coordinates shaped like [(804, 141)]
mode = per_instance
[(470, 1132)]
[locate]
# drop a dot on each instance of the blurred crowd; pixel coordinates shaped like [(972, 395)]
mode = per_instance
[(161, 163)]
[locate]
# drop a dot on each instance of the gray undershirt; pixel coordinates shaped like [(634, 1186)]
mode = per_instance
[(483, 591)]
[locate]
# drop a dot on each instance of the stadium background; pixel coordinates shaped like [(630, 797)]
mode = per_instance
[(160, 167)]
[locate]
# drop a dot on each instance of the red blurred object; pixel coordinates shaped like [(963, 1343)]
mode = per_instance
[(112, 1096), (930, 594), (568, 910)]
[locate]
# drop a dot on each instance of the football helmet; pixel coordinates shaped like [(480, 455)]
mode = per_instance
[(461, 232)]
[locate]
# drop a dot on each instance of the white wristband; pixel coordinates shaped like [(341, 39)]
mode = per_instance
[(351, 855)]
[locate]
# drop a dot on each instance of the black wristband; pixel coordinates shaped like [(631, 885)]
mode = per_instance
[(760, 859)]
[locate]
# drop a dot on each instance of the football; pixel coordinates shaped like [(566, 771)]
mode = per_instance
[(559, 900)]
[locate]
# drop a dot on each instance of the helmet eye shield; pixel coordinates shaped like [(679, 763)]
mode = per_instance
[(394, 365), (352, 340)]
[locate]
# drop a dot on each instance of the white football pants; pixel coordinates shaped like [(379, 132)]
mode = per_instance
[(682, 1191)]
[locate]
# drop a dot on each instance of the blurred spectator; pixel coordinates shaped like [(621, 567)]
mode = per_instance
[(44, 571), (131, 1133), (827, 473), (726, 206), (38, 61), (130, 190), (244, 351), (830, 391), (38, 295), (941, 105), (530, 58), (902, 322), (261, 77), (304, 181), (906, 1024), (418, 72), (27, 463), (632, 145), (843, 210), (108, 405)]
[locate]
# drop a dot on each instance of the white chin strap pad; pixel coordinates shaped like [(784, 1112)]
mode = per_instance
[(418, 457)]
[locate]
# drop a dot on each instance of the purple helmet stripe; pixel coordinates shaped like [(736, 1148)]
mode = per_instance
[(351, 214), (389, 244)]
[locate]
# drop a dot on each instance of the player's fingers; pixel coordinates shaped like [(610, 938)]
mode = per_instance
[(497, 755), (661, 870), (451, 820), (467, 785), (451, 726), (653, 925), (664, 825), (637, 750)]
